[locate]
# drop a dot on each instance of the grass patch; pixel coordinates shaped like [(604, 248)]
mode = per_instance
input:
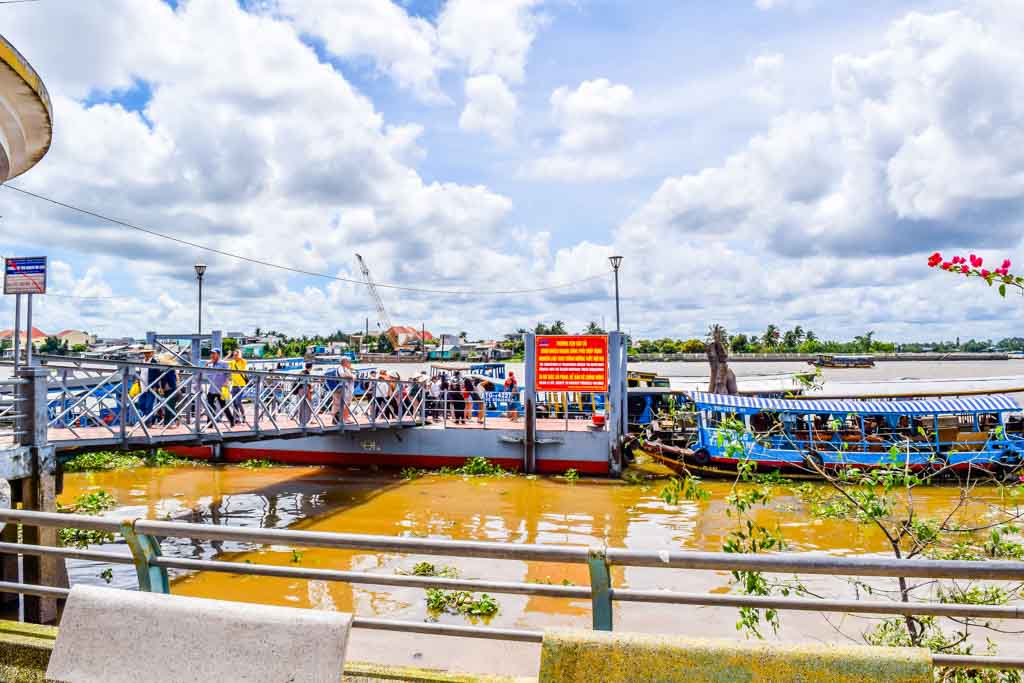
[(461, 602), (94, 504)]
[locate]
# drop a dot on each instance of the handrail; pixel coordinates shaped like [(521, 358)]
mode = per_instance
[(142, 536)]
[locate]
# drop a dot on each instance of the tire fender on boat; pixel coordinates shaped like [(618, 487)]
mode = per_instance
[(702, 457)]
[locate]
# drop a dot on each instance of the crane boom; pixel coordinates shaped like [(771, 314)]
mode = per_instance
[(383, 320)]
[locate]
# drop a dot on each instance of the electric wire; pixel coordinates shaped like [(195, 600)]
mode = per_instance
[(300, 271)]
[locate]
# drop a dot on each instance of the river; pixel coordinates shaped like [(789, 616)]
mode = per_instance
[(515, 509)]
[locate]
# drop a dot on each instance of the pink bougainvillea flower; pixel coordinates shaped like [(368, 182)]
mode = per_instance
[(984, 272), (1006, 264), (966, 270), (934, 260), (946, 265), (976, 261)]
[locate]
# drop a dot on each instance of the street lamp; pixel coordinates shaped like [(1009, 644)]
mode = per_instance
[(200, 271), (616, 261)]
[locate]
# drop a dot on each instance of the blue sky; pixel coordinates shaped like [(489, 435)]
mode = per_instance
[(756, 161)]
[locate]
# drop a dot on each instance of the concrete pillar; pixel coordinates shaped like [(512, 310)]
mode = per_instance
[(530, 404), (617, 417), (39, 492)]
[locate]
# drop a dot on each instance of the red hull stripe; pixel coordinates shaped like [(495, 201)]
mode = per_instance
[(383, 459)]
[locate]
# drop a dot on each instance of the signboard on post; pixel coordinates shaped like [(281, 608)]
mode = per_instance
[(572, 363), (25, 275)]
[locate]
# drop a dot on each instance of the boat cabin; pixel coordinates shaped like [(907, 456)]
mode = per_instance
[(926, 433)]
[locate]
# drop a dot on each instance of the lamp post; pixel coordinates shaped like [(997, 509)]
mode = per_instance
[(200, 271), (616, 261)]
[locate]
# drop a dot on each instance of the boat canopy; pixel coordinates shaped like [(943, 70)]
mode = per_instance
[(955, 406)]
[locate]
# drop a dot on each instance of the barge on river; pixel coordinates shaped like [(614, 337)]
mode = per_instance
[(829, 361)]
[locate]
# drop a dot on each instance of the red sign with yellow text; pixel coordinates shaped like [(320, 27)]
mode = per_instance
[(577, 363)]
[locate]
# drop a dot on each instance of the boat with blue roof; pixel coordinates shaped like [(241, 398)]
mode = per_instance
[(799, 437)]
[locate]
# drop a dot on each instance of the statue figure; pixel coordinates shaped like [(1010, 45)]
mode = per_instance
[(723, 380)]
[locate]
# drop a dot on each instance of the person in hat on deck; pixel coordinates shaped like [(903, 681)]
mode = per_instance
[(218, 387), (148, 380)]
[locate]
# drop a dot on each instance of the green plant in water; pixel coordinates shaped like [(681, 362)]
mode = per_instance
[(411, 473), (685, 488), (475, 467), (94, 503), (572, 476), (296, 556), (257, 464), (103, 460), (461, 602), (429, 569), (107, 574)]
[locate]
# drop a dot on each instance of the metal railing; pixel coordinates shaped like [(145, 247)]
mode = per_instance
[(556, 411), (100, 402), (143, 539), (11, 414)]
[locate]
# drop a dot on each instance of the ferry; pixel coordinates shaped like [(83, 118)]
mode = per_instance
[(830, 361), (798, 437)]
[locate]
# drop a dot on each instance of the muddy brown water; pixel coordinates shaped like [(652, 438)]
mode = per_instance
[(509, 509)]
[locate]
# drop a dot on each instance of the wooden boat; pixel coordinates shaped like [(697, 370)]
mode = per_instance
[(830, 361), (799, 437)]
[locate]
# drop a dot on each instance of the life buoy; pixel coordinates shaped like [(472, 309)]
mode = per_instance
[(702, 457)]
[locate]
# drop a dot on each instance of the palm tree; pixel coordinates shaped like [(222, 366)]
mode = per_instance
[(810, 336), (798, 334), (864, 340), (770, 338)]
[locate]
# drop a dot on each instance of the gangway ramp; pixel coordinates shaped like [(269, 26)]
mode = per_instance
[(98, 404)]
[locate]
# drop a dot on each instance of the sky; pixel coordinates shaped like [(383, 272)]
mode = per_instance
[(754, 162)]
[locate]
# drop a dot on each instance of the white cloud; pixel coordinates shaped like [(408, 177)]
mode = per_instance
[(491, 107), (404, 47), (489, 37), (785, 4), (766, 72), (252, 145), (921, 150), (592, 141)]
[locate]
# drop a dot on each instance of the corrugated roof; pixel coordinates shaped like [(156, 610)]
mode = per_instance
[(750, 404)]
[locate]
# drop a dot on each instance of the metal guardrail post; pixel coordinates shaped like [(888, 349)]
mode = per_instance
[(144, 548), (257, 403), (601, 588), (123, 409)]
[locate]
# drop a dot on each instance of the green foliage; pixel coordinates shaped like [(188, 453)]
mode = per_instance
[(103, 460), (53, 345), (411, 473), (687, 488), (257, 464), (119, 460), (571, 476), (476, 467), (107, 574), (94, 503), (430, 569), (296, 556), (461, 602)]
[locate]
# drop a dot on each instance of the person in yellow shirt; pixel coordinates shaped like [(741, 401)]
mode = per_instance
[(238, 382)]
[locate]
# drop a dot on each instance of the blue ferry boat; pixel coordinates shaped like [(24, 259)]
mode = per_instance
[(954, 434)]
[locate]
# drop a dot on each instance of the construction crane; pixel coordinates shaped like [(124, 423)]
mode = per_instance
[(383, 320)]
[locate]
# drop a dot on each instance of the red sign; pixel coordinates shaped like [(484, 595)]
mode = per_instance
[(572, 363)]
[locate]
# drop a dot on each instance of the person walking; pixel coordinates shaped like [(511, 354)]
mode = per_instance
[(238, 382), (168, 389), (343, 392), (304, 391), (218, 391), (148, 380)]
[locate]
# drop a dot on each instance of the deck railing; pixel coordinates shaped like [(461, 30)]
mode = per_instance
[(135, 403), (143, 539), (11, 413)]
